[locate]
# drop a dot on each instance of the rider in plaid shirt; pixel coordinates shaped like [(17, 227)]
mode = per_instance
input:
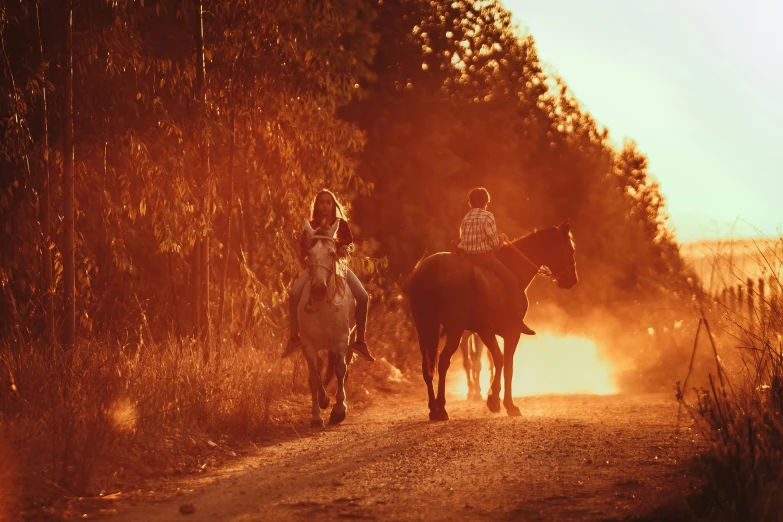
[(478, 232), (479, 239)]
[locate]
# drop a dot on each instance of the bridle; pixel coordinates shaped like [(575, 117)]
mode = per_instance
[(330, 269), (542, 270)]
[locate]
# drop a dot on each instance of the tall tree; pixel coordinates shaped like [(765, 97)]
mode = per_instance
[(68, 183), (45, 205), (201, 304)]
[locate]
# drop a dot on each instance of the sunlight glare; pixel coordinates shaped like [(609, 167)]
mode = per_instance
[(546, 364), (123, 415)]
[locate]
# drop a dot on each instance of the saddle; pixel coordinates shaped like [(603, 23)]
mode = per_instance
[(490, 298)]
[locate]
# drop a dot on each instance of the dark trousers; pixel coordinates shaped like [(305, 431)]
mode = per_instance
[(507, 278)]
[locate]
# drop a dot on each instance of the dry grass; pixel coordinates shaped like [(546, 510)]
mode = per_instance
[(740, 411), (102, 416), (102, 404)]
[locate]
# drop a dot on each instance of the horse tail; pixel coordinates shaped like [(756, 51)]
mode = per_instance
[(428, 345), (423, 299)]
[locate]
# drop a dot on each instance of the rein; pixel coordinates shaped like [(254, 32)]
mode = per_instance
[(542, 270)]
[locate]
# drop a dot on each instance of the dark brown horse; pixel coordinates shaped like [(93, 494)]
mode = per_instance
[(446, 292)]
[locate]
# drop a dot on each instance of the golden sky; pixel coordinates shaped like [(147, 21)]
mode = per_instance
[(697, 83)]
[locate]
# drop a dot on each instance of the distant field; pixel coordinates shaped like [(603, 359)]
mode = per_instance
[(728, 263)]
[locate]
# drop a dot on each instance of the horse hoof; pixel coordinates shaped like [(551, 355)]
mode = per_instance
[(439, 415), (475, 396), (336, 417), (317, 423), (513, 411), (493, 403), (323, 401)]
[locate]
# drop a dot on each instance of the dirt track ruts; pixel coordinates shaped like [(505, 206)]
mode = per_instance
[(568, 457)]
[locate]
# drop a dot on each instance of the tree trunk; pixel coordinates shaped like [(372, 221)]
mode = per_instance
[(202, 305), (228, 233), (195, 309), (247, 222), (177, 328), (232, 149), (69, 248), (45, 210)]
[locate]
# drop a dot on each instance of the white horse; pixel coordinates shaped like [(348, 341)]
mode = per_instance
[(325, 312)]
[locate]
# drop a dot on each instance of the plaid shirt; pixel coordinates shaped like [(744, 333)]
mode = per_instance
[(478, 232)]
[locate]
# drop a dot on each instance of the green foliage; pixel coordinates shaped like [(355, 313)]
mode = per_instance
[(461, 100), (276, 72)]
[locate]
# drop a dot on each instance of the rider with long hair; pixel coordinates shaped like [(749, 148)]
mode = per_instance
[(324, 212)]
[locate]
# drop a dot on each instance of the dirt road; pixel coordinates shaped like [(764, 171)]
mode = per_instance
[(567, 458)]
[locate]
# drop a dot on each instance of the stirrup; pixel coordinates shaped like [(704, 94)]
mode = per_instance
[(294, 343), (360, 347)]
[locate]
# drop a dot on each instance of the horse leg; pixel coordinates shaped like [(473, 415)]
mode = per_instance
[(509, 348), (491, 372), (428, 345), (323, 397), (493, 397), (315, 386), (466, 360), (452, 343), (329, 369), (339, 408), (478, 351)]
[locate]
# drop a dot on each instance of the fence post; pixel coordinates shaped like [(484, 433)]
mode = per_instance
[(774, 296), (750, 304)]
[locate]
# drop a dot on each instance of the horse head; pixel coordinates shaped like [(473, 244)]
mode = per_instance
[(560, 255), (551, 251), (321, 258)]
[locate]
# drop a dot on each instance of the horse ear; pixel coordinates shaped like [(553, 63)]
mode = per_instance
[(308, 228), (565, 226), (333, 231)]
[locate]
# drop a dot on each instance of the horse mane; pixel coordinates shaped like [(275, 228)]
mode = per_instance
[(539, 233), (536, 231), (320, 231), (529, 234)]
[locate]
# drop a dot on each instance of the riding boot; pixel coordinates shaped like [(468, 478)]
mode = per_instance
[(294, 343), (516, 302), (525, 329), (360, 347)]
